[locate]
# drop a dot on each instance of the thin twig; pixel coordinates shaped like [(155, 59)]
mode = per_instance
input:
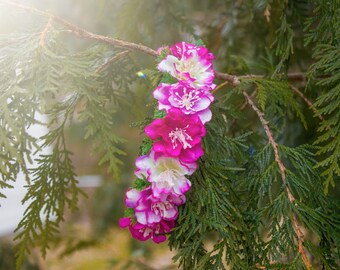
[(233, 80), (220, 86), (282, 169), (309, 103), (44, 32), (236, 80), (242, 107), (111, 60)]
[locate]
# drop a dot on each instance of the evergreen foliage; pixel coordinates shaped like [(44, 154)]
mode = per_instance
[(261, 198)]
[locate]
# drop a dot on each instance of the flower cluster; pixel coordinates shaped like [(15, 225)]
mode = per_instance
[(176, 143)]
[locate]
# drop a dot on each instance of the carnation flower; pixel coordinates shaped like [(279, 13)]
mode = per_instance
[(177, 135), (150, 210), (144, 232), (166, 174), (185, 97), (191, 63)]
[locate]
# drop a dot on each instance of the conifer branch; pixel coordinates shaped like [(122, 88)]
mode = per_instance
[(241, 108), (282, 169), (111, 60), (44, 32), (80, 32), (220, 86), (235, 80), (309, 103)]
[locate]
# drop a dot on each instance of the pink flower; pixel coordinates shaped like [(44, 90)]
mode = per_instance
[(166, 174), (185, 97), (150, 210), (177, 135), (191, 63), (142, 232)]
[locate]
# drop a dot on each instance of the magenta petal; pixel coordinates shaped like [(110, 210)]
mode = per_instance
[(124, 222), (153, 218), (191, 167), (202, 104), (161, 93), (140, 232), (185, 187), (205, 115), (158, 147), (152, 129), (141, 217), (192, 154), (143, 163), (158, 238), (131, 198), (170, 214)]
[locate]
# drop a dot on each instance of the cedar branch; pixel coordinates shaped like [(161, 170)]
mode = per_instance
[(44, 32), (282, 169), (220, 86), (76, 30), (80, 32), (111, 60), (309, 103)]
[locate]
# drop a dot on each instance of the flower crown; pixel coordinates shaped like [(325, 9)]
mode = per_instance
[(153, 208)]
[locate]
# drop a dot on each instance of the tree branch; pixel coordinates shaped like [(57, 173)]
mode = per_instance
[(309, 103), (235, 80), (282, 169), (111, 60), (80, 32), (86, 34), (44, 32)]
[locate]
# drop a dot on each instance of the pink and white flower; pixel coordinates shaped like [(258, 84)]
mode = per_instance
[(144, 232), (177, 135), (176, 142), (151, 210), (166, 174), (184, 96), (191, 63)]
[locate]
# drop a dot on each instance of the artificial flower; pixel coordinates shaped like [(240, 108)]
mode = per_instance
[(191, 63), (151, 210), (177, 135), (184, 96), (143, 232), (166, 174)]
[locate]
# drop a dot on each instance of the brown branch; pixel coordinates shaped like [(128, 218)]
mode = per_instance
[(236, 80), (282, 169), (44, 32), (297, 76), (242, 107), (80, 32), (220, 86), (309, 103), (233, 80), (111, 60), (86, 34)]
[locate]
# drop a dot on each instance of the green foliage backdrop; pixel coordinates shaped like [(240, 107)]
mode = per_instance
[(265, 194)]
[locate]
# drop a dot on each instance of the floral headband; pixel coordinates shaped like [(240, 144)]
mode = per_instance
[(152, 209)]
